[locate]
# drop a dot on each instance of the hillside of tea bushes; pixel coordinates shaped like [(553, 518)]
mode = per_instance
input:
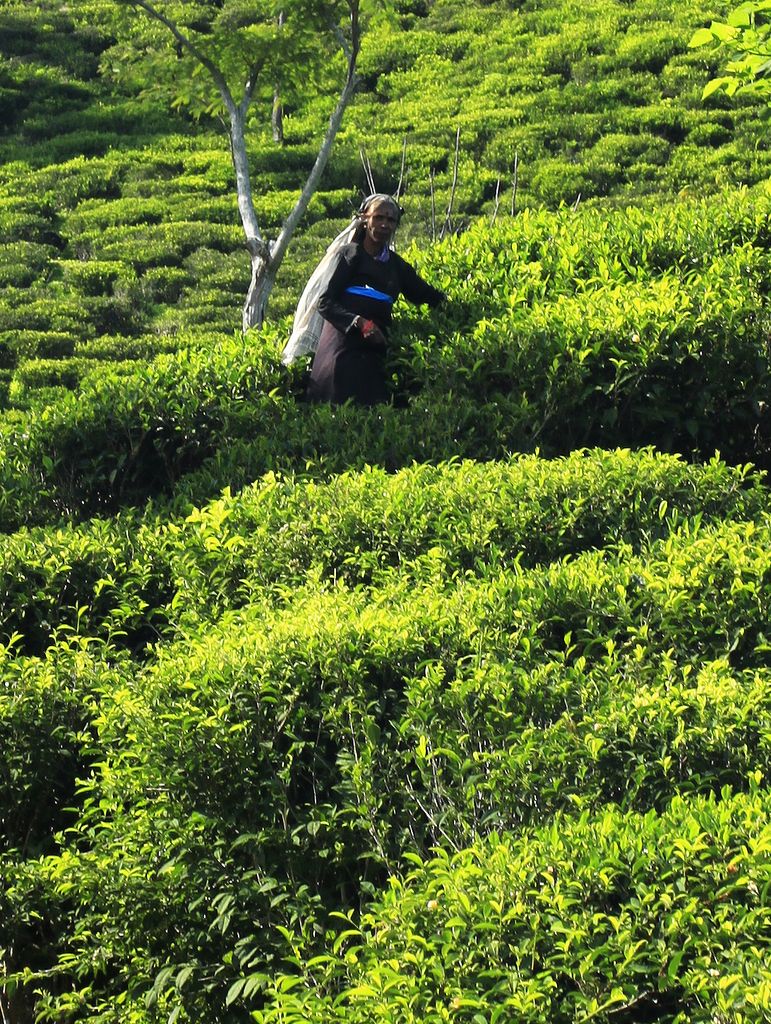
[(452, 710), (557, 668), (119, 236)]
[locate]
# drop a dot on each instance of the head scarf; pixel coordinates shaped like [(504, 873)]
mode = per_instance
[(381, 197), (308, 322)]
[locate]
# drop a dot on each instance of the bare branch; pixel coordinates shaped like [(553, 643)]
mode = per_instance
[(277, 112), (353, 7), (339, 35), (514, 184), (401, 172), (447, 226), (369, 177), (497, 201), (251, 84), (350, 49)]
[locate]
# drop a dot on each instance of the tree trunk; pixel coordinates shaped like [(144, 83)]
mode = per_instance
[(264, 267), (260, 287), (246, 209)]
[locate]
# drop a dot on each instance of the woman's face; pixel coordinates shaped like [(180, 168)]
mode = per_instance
[(380, 222)]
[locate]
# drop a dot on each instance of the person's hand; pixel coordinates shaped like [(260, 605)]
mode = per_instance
[(372, 333)]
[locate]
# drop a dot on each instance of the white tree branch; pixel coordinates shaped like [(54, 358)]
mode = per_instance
[(349, 88)]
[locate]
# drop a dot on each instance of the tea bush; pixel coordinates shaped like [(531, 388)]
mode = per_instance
[(45, 710), (34, 374), (217, 269), (22, 345), (111, 579), (113, 348), (359, 527), (653, 376), (5, 381), (95, 277), (149, 245), (20, 311), (94, 215), (128, 435), (129, 579), (164, 284), (609, 916), (63, 185), (21, 263), (313, 747), (562, 330), (593, 678), (20, 223)]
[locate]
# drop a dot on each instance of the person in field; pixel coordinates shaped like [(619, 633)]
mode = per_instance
[(346, 308)]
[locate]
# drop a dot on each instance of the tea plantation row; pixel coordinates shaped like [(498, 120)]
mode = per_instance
[(591, 98), (562, 330), (607, 917), (374, 688), (127, 579)]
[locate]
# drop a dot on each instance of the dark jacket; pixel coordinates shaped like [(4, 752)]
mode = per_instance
[(394, 277)]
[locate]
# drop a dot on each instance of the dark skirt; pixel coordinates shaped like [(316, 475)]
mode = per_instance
[(347, 367)]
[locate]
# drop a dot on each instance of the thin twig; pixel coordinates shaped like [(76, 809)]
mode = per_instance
[(497, 201), (514, 185), (622, 1008), (447, 226), (367, 170), (5, 1018), (401, 172), (433, 205)]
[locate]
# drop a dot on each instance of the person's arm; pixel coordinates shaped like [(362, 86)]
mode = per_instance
[(415, 289)]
